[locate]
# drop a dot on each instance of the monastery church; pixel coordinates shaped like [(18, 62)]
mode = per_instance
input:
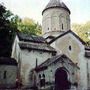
[(59, 59)]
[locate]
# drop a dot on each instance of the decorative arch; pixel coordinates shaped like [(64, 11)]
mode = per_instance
[(54, 20), (61, 79), (61, 21)]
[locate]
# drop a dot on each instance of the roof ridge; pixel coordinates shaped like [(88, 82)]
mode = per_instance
[(69, 31)]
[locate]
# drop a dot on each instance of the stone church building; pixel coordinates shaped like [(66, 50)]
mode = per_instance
[(59, 58), (30, 51), (56, 24)]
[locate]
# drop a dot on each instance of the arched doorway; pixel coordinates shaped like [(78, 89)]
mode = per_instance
[(61, 79)]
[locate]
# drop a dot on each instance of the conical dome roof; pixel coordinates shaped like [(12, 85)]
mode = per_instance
[(56, 4)]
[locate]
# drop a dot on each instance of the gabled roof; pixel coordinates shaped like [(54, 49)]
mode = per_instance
[(8, 61), (69, 31), (54, 59), (30, 38), (50, 37), (56, 4)]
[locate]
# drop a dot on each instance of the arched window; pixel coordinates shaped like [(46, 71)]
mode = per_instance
[(48, 28), (43, 75), (39, 75)]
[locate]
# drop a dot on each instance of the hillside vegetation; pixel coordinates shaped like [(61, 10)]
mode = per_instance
[(83, 31)]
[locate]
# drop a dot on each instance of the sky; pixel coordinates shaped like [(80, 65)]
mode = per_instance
[(80, 9)]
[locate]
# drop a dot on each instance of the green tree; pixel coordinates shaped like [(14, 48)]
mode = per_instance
[(7, 32), (83, 30), (29, 26), (26, 25), (9, 24)]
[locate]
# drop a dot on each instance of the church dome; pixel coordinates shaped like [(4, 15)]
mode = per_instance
[(56, 4)]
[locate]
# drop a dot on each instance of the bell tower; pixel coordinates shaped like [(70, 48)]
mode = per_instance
[(56, 18)]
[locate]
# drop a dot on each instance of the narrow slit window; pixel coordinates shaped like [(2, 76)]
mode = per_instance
[(62, 26), (4, 75), (39, 75), (43, 75), (70, 48), (48, 28)]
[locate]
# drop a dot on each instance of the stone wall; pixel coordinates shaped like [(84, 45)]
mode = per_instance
[(16, 49), (8, 76), (75, 50), (50, 72), (28, 62)]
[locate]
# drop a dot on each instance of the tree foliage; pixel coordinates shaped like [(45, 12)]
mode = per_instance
[(7, 32), (83, 30), (9, 24), (29, 26)]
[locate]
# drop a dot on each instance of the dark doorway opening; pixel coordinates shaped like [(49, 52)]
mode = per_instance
[(61, 79)]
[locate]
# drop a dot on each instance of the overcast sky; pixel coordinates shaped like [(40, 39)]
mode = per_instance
[(80, 9)]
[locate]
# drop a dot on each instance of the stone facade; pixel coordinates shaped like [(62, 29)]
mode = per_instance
[(66, 42), (9, 80), (72, 46), (29, 54), (28, 61), (8, 72), (52, 65)]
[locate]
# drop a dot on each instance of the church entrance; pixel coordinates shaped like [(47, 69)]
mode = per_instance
[(61, 79)]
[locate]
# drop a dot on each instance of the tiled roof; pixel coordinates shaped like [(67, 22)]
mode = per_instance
[(8, 61), (34, 46), (31, 38), (56, 4)]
